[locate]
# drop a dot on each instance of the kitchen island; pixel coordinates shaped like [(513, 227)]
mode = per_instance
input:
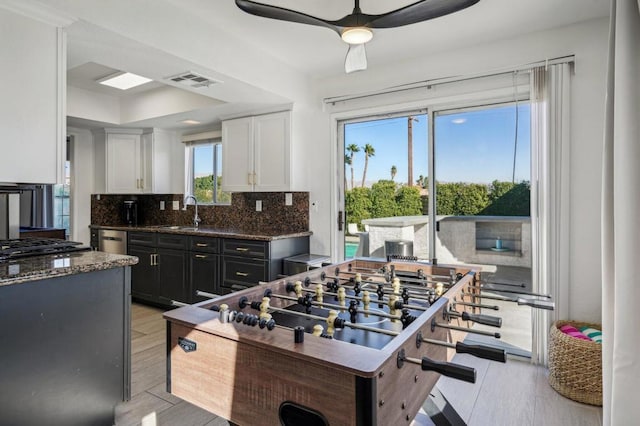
[(65, 331)]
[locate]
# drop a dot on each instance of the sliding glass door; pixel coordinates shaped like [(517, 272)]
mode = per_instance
[(483, 174), (384, 182)]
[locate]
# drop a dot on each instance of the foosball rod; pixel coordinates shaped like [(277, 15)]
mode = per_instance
[(449, 369), (477, 305), (380, 274), (480, 351), (525, 293), (416, 282), (523, 285), (376, 301), (342, 323), (412, 295), (534, 303), (325, 305), (477, 318), (408, 285), (435, 324), (207, 294)]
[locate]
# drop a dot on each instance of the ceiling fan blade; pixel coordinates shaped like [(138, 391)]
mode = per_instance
[(275, 12), (356, 59), (418, 12)]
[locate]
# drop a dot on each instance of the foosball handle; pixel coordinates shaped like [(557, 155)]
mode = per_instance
[(483, 319), (538, 304), (480, 351), (449, 369)]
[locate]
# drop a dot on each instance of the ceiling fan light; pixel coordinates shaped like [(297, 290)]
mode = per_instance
[(357, 35)]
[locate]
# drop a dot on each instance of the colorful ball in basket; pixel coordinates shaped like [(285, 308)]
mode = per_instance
[(592, 333), (573, 332)]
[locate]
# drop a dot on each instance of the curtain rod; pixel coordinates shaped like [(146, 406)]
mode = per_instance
[(436, 81)]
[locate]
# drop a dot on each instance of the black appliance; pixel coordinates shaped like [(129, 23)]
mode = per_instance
[(24, 247), (130, 212)]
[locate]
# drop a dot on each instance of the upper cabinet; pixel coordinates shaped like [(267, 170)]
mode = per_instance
[(257, 153), (32, 89), (131, 161)]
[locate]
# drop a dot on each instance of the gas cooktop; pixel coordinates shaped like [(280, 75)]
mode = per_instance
[(23, 247)]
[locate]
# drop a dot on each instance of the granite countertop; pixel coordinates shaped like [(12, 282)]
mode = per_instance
[(204, 230), (55, 265)]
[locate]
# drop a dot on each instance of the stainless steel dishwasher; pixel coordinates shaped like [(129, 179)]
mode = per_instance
[(112, 241)]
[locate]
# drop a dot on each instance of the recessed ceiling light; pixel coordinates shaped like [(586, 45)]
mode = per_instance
[(189, 122), (459, 120), (124, 80)]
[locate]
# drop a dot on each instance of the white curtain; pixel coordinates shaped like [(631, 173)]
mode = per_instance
[(188, 169), (621, 218), (550, 101)]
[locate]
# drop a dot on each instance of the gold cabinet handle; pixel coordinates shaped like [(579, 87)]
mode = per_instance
[(242, 249), (202, 245), (200, 256), (242, 274)]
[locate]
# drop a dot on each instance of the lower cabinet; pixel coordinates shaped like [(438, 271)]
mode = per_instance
[(144, 284), (204, 266), (171, 268), (160, 276), (245, 263), (174, 267)]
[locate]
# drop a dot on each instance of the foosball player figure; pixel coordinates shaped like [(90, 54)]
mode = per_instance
[(319, 292), (353, 310), (366, 301)]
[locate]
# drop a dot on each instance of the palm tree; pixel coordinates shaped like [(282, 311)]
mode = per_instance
[(369, 151), (351, 149), (394, 171)]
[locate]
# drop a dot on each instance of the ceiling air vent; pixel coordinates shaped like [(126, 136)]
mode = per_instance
[(193, 79)]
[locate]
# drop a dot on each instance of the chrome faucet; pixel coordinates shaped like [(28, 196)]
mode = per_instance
[(196, 219)]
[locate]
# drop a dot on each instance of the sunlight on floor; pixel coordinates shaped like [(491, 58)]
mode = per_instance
[(149, 419)]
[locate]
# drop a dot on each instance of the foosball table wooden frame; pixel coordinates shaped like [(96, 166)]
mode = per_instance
[(249, 375)]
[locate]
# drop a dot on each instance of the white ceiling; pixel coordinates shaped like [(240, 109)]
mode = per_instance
[(318, 52)]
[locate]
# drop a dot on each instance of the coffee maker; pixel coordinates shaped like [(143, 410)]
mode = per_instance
[(130, 212)]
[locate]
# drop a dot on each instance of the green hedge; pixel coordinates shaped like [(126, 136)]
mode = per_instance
[(385, 198)]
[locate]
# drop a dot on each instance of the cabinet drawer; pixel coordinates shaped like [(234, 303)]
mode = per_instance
[(178, 242), (243, 272), (204, 244), (142, 239), (255, 249)]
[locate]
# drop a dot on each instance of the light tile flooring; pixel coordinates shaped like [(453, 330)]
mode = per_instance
[(150, 404), (515, 393)]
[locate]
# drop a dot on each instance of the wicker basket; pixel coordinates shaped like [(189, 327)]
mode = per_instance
[(575, 365)]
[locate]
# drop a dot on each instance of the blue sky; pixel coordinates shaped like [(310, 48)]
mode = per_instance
[(473, 146)]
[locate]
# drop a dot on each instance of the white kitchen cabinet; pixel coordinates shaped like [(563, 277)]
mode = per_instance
[(32, 89), (131, 161), (256, 153)]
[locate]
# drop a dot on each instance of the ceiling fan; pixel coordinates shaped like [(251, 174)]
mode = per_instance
[(355, 28)]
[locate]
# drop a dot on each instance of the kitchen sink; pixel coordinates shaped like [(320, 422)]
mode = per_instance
[(180, 228)]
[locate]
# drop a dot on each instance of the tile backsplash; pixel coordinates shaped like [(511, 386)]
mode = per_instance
[(240, 215)]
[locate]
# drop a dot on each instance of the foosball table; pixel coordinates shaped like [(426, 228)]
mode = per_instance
[(357, 343)]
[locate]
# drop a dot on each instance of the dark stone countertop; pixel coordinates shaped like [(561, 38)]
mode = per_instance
[(206, 231), (56, 265)]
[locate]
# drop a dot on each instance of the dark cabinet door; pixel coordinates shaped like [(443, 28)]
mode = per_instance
[(143, 275), (171, 266), (204, 275)]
